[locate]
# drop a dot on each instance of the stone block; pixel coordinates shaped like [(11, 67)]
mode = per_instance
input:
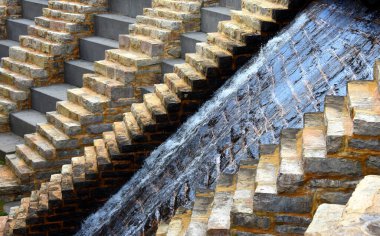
[(332, 166), (276, 203)]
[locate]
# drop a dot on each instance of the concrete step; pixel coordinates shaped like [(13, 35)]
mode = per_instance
[(17, 27), (5, 45), (110, 26), (232, 4), (8, 142), (130, 8), (168, 65), (44, 99), (93, 48), (75, 69), (24, 122), (33, 8), (211, 17), (189, 40)]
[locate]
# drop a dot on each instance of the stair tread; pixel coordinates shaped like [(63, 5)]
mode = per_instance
[(53, 132), (58, 91), (118, 17), (313, 136), (267, 169), (22, 21), (30, 116), (198, 36), (32, 155), (8, 142), (8, 180), (102, 41), (268, 4), (19, 164), (82, 63), (337, 116), (201, 212), (9, 43), (218, 9)]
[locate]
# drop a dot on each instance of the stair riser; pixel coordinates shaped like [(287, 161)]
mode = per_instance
[(32, 9), (131, 8), (210, 20), (74, 74), (15, 29), (91, 51), (110, 28), (42, 102), (233, 4)]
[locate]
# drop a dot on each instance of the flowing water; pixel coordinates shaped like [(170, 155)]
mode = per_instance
[(327, 45)]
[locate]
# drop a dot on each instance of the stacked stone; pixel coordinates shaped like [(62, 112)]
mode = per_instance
[(321, 163), (360, 216), (9, 9), (108, 93), (90, 179), (39, 59)]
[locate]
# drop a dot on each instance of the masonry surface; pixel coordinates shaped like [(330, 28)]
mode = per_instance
[(116, 79)]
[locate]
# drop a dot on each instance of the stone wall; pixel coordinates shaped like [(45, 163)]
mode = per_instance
[(89, 180), (9, 9)]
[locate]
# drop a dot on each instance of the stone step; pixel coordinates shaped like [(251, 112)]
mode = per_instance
[(142, 44), (17, 27), (122, 136), (218, 55), (44, 46), (162, 23), (325, 219), (271, 10), (314, 149), (267, 169), (177, 85), (219, 221), (78, 113), (338, 122), (189, 41), (155, 107), (182, 6), (167, 66), (196, 80), (8, 142), (150, 31), (102, 155), (88, 99), (115, 71), (19, 81), (226, 43), (59, 139), (180, 222), (242, 214), (232, 4), (291, 174), (79, 20), (130, 59), (110, 26), (364, 102), (13, 93), (41, 145), (33, 8), (47, 34), (211, 17), (205, 66), (10, 188), (68, 126), (60, 25), (19, 167), (31, 158), (91, 167), (105, 86), (133, 127), (75, 69), (254, 21), (44, 99), (25, 122), (129, 8), (143, 117), (201, 212), (160, 12), (111, 144), (7, 106), (93, 48), (169, 99), (236, 31), (26, 55), (5, 45), (76, 7), (24, 69)]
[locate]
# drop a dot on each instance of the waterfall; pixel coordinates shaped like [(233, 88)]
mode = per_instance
[(190, 157)]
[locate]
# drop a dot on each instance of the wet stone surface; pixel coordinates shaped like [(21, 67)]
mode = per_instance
[(330, 44)]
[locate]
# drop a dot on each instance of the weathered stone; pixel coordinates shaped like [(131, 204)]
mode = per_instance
[(332, 166), (276, 203), (335, 197)]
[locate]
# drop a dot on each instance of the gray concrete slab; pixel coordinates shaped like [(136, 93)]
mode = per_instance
[(93, 48), (112, 25), (75, 69), (8, 142), (33, 8), (233, 4), (167, 66), (5, 45), (44, 99), (130, 8), (211, 17), (189, 40), (17, 27), (24, 122)]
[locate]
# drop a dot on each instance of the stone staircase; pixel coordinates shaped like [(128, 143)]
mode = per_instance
[(321, 163), (360, 216), (107, 28), (39, 58), (90, 179), (15, 27)]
